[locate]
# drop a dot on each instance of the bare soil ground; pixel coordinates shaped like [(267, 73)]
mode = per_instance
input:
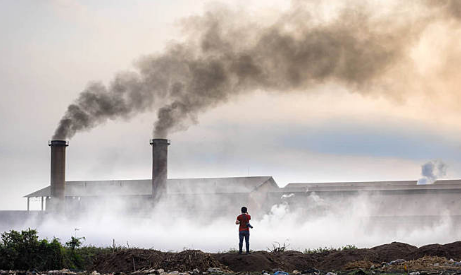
[(430, 258), (130, 260)]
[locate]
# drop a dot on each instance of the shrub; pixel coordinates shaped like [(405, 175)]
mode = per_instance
[(24, 251), (51, 255), (19, 250)]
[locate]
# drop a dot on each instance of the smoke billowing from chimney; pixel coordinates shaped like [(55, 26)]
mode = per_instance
[(431, 171), (226, 55)]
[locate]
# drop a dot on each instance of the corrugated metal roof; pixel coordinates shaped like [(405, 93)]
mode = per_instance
[(215, 185), (174, 186), (372, 186)]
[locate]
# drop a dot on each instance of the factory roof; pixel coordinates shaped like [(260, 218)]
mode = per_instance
[(143, 187), (371, 186)]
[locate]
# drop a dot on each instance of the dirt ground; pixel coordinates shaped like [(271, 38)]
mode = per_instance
[(130, 260), (430, 258)]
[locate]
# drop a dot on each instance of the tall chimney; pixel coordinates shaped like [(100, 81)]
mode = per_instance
[(159, 167), (58, 175)]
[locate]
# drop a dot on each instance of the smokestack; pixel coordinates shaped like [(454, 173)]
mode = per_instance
[(58, 174), (159, 167)]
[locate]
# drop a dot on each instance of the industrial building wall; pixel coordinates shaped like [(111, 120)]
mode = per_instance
[(19, 220), (208, 206), (380, 203), (101, 205), (198, 206)]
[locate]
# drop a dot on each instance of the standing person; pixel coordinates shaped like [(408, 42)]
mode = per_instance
[(243, 221)]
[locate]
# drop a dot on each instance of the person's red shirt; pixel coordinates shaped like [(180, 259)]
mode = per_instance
[(244, 219)]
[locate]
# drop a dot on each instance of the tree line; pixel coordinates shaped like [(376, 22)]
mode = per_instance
[(25, 251)]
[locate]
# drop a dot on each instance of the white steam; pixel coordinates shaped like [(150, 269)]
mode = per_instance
[(431, 171), (302, 223), (286, 196)]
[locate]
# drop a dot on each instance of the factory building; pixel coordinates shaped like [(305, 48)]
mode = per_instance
[(383, 199), (195, 193)]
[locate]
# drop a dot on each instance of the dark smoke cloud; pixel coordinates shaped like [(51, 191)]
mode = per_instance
[(126, 96), (451, 8), (351, 50), (224, 57)]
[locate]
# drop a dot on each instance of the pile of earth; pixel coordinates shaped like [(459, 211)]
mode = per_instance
[(431, 257), (130, 260)]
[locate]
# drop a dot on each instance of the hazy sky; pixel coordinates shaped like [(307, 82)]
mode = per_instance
[(50, 51)]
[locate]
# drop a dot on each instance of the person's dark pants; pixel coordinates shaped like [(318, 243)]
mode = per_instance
[(246, 235)]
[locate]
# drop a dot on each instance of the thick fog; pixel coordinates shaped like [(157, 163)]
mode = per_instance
[(310, 223)]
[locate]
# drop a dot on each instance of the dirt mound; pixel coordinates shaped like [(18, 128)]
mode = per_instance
[(130, 260), (338, 259), (329, 260), (256, 261), (262, 260), (393, 251), (449, 251), (297, 260), (426, 257), (189, 260), (127, 260)]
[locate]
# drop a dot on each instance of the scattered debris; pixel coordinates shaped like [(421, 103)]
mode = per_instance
[(311, 271), (398, 261)]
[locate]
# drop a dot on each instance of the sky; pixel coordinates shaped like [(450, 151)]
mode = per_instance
[(330, 129)]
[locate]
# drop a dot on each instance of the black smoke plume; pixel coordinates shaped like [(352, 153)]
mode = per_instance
[(224, 56)]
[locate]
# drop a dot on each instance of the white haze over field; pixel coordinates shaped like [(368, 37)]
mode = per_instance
[(167, 229)]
